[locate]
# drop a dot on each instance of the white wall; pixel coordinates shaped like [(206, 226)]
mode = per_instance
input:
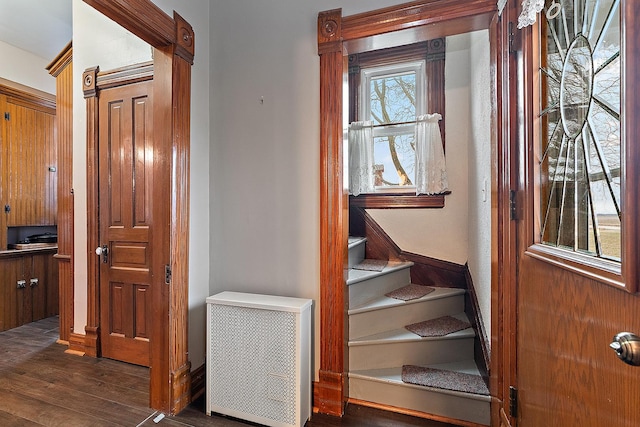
[(442, 233), (265, 157), (26, 68), (480, 174), (99, 41)]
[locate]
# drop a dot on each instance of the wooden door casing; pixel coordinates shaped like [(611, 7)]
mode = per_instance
[(125, 182)]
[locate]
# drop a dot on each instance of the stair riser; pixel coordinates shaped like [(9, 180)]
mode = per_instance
[(356, 254), (426, 352), (423, 400), (367, 290), (371, 322)]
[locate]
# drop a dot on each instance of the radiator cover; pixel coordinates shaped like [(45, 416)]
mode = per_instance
[(259, 358)]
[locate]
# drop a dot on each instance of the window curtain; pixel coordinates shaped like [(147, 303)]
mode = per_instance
[(431, 171), (530, 10), (360, 158)]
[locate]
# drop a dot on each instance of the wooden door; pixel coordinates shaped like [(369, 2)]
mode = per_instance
[(125, 188), (576, 282)]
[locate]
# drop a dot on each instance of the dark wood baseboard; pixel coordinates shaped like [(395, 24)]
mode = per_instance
[(76, 344), (198, 381), (92, 341), (329, 393), (481, 351), (425, 270)]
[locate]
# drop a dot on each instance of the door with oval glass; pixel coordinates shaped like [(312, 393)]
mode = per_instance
[(125, 187), (578, 236)]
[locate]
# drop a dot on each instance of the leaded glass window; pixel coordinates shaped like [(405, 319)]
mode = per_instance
[(580, 160)]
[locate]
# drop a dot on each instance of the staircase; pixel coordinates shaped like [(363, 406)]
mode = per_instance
[(379, 344)]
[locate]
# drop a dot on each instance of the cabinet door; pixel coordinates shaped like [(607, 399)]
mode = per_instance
[(36, 291), (11, 270), (29, 165)]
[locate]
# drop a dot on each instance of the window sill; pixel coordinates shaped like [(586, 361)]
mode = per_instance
[(601, 270), (397, 201)]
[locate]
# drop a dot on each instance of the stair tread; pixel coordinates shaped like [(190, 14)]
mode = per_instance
[(393, 375), (403, 335), (357, 276), (355, 241), (384, 302)]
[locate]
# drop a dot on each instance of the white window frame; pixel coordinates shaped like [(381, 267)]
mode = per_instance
[(392, 70)]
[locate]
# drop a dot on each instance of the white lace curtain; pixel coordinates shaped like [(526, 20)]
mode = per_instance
[(360, 158), (530, 10), (431, 171)]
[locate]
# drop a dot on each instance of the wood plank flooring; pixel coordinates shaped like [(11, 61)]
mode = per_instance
[(41, 385)]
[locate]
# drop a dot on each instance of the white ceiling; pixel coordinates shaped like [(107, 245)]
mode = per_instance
[(42, 27)]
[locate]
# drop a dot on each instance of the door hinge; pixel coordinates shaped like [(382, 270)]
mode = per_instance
[(512, 36), (513, 402), (7, 116), (167, 274), (513, 205)]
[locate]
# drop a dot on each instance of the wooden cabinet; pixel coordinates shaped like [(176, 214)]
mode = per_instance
[(28, 170), (28, 287)]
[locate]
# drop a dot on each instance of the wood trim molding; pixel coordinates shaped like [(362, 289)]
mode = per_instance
[(198, 381), (395, 201), (125, 75), (61, 61), (29, 96), (418, 21), (481, 350), (92, 328), (425, 270), (174, 43), (76, 344), (334, 214)]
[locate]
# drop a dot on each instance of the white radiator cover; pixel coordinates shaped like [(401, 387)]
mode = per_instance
[(259, 358)]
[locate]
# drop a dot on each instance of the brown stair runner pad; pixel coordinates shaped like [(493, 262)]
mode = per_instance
[(371, 265), (438, 327), (447, 380), (410, 292)]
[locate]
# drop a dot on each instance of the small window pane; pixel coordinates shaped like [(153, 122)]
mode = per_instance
[(394, 160), (393, 99)]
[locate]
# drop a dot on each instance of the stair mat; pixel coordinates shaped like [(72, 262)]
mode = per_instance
[(438, 327), (371, 265), (447, 380), (410, 292)]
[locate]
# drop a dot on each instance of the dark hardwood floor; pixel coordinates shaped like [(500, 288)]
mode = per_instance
[(41, 385)]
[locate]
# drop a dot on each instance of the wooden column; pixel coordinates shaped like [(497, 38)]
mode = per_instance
[(92, 328), (330, 393), (62, 69)]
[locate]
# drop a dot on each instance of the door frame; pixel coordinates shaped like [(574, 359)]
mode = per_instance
[(339, 36), (172, 39)]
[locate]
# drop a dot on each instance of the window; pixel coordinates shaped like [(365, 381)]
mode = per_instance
[(392, 97), (580, 157), (391, 88)]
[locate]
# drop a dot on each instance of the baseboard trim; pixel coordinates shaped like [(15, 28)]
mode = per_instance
[(329, 393), (425, 270), (76, 344), (482, 352), (198, 381), (414, 413)]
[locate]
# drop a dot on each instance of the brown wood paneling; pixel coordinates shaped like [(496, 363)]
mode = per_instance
[(29, 150), (62, 69)]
